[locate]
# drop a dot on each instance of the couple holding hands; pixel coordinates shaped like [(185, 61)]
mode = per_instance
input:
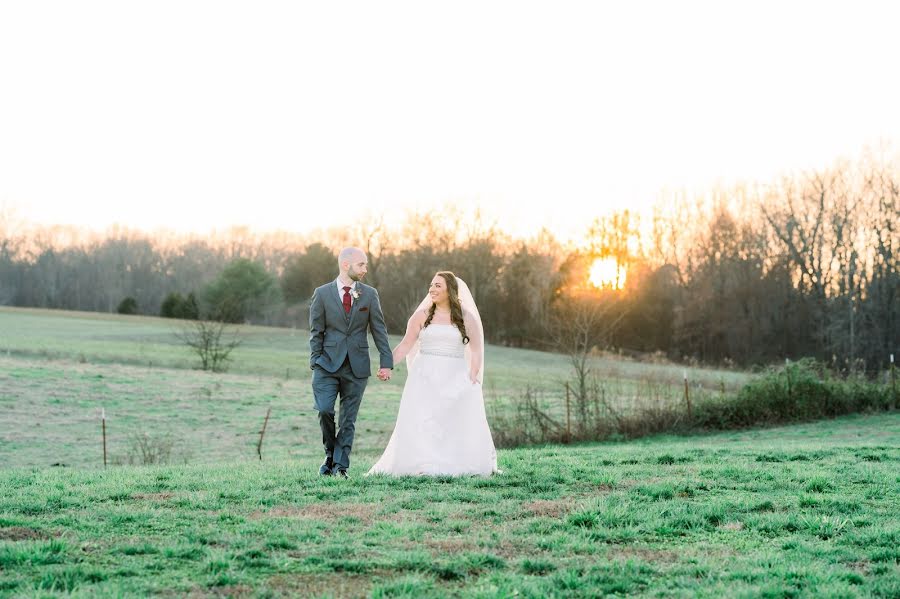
[(441, 426)]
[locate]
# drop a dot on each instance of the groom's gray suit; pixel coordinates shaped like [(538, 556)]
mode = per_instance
[(339, 358)]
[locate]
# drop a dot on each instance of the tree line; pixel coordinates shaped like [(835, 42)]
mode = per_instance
[(803, 266)]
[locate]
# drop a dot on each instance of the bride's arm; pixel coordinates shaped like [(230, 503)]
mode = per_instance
[(413, 326), (476, 344)]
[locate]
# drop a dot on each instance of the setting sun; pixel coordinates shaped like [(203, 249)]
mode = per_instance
[(606, 273)]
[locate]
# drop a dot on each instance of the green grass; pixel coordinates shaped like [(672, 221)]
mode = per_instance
[(59, 369), (150, 342), (806, 510)]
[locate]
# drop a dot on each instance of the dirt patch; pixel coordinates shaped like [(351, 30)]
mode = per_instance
[(732, 526), (321, 511), (152, 496), (231, 590), (646, 554), (338, 585), (548, 508), (467, 544), (21, 533), (450, 545), (632, 482), (507, 549)]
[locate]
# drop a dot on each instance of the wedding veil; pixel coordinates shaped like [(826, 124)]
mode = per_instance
[(474, 329)]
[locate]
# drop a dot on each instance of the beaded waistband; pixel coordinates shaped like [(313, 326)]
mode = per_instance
[(446, 354)]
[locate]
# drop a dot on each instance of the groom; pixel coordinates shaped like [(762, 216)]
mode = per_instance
[(340, 315)]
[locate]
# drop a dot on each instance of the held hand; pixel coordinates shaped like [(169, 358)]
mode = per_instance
[(473, 376), (384, 374)]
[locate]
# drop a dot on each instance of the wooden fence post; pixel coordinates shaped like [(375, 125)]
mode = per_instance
[(103, 423), (262, 433), (787, 374), (893, 382)]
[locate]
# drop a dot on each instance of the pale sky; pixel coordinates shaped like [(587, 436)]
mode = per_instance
[(295, 116)]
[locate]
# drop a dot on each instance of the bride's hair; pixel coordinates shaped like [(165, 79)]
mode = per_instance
[(456, 313)]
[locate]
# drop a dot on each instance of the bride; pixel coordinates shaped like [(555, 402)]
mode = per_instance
[(441, 426)]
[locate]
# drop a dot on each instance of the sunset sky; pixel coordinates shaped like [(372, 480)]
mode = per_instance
[(195, 115)]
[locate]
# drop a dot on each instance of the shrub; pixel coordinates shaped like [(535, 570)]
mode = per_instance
[(800, 391), (176, 305), (128, 305)]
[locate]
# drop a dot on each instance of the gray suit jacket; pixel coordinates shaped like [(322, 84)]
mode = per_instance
[(335, 335)]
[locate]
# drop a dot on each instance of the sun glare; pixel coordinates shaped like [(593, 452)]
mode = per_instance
[(606, 273)]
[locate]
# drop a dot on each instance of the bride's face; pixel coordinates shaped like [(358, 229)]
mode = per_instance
[(438, 290)]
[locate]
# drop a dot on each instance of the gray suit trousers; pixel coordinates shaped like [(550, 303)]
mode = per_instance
[(326, 387)]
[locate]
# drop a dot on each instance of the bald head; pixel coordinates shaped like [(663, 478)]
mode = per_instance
[(350, 255), (353, 263)]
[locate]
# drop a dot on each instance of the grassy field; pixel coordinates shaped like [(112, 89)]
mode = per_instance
[(807, 511), (59, 369)]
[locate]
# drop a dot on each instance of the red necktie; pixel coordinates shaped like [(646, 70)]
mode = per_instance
[(347, 300)]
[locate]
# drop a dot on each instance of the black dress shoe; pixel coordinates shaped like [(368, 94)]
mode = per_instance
[(326, 467), (343, 473)]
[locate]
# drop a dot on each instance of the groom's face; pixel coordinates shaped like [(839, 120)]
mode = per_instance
[(358, 268)]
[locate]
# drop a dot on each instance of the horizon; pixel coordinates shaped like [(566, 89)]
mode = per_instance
[(574, 234)]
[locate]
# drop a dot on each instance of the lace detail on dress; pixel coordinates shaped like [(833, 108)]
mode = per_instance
[(446, 353)]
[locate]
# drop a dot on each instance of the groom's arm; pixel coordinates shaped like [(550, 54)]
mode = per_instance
[(379, 333), (316, 328)]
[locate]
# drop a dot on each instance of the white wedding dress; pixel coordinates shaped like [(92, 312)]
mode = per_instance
[(441, 426)]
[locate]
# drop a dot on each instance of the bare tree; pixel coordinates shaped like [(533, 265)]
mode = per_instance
[(526, 286), (879, 322), (616, 236), (212, 341), (580, 324), (374, 239), (9, 246), (808, 218)]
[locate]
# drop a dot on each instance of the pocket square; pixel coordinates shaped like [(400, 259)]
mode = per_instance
[(364, 309)]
